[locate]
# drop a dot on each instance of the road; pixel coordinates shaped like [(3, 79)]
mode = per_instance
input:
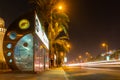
[(85, 73)]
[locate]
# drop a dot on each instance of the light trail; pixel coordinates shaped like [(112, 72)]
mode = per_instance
[(115, 63)]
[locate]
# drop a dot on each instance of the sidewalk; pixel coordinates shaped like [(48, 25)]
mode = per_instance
[(53, 74), (4, 70)]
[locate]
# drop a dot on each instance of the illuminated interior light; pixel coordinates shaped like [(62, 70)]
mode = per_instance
[(9, 54), (24, 24), (12, 35), (10, 60), (9, 45)]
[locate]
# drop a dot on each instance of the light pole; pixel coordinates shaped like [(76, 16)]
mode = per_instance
[(80, 58), (106, 47), (107, 50)]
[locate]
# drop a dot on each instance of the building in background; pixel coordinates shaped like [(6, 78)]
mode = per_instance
[(2, 32), (3, 64)]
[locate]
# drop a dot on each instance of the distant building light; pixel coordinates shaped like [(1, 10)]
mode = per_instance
[(102, 54), (107, 58)]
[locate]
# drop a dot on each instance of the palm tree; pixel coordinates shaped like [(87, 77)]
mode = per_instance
[(60, 46), (115, 55), (43, 8), (60, 19), (59, 25), (54, 22)]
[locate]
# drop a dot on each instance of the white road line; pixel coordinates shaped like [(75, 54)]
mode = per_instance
[(65, 75)]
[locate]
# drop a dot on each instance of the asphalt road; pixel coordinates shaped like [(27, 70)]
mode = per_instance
[(85, 73)]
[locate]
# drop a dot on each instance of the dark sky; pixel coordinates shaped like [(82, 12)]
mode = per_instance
[(11, 9), (91, 23)]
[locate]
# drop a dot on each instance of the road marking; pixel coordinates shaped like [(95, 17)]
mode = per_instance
[(65, 75)]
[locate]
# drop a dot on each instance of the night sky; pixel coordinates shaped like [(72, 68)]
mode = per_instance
[(91, 23)]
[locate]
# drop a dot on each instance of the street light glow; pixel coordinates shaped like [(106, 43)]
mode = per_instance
[(60, 7), (104, 44), (68, 45)]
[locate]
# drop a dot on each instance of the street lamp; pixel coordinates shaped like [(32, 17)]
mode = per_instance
[(60, 7), (68, 45), (80, 57), (106, 46)]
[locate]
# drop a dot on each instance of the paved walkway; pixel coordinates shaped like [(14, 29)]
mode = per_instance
[(52, 74)]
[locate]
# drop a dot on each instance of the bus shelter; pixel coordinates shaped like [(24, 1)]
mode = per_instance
[(26, 45)]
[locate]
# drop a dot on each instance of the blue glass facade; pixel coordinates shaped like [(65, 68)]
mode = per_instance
[(23, 53)]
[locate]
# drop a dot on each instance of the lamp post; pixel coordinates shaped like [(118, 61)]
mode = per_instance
[(80, 58), (106, 47), (107, 50)]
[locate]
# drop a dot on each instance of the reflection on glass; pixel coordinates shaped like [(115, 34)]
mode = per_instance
[(41, 58), (9, 54), (23, 53), (12, 35), (9, 45)]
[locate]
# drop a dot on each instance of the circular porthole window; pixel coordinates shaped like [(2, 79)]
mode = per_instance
[(10, 61), (12, 35), (9, 45), (9, 54), (25, 44), (24, 24)]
